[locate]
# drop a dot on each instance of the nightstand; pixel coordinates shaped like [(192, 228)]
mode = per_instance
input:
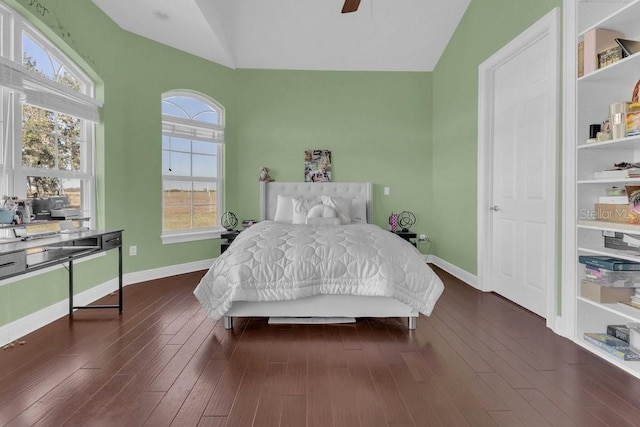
[(226, 238), (409, 236)]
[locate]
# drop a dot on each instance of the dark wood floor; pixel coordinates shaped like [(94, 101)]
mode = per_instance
[(478, 360)]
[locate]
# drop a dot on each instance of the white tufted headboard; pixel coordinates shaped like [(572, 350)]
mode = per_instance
[(269, 192)]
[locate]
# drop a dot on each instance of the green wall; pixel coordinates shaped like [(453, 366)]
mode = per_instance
[(377, 126), (486, 26)]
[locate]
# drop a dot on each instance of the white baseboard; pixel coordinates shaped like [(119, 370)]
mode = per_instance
[(465, 276), (25, 325), (560, 327), (159, 273)]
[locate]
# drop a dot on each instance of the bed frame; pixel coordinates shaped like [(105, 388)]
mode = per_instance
[(319, 305)]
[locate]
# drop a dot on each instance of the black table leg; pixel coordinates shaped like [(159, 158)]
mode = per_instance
[(120, 279), (70, 288)]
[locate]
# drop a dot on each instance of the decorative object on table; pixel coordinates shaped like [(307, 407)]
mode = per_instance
[(264, 174), (229, 220), (317, 166), (393, 222), (406, 220)]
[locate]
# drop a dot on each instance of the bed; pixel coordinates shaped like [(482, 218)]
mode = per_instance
[(321, 259)]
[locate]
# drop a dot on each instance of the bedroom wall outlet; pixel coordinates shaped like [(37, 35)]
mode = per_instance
[(386, 191), (133, 250), (422, 237)]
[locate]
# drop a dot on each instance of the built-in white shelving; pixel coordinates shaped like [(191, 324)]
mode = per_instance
[(595, 92)]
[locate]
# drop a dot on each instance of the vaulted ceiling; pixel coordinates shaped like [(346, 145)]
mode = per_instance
[(383, 35)]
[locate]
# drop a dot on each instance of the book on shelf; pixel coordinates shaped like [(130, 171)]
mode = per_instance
[(609, 263), (617, 173), (619, 331), (613, 200), (581, 58), (612, 345), (628, 304), (631, 240), (621, 241)]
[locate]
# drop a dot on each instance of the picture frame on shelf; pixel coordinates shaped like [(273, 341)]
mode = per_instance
[(628, 47)]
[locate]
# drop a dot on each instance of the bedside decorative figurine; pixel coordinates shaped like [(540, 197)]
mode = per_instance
[(393, 222), (264, 174), (229, 221), (406, 219)]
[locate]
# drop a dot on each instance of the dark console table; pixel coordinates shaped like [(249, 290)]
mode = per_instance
[(21, 257)]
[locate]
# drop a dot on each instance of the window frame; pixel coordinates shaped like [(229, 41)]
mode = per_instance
[(173, 126), (41, 92)]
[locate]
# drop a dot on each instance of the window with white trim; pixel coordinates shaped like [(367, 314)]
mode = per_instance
[(192, 144), (48, 115)]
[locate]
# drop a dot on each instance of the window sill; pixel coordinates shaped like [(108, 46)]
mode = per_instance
[(190, 236)]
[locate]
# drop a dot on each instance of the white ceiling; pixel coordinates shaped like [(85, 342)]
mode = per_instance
[(383, 35)]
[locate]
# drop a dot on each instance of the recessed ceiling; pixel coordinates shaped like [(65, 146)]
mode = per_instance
[(383, 35)]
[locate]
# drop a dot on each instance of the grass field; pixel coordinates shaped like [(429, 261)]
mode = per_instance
[(178, 213)]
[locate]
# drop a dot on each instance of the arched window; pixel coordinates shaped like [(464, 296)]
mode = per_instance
[(48, 115), (192, 142)]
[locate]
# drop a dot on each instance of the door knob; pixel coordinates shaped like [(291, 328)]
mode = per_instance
[(494, 208)]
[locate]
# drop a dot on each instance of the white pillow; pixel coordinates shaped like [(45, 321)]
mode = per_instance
[(358, 211), (323, 221), (341, 206), (301, 208), (284, 210), (321, 211)]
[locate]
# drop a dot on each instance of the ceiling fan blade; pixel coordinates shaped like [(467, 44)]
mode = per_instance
[(350, 6)]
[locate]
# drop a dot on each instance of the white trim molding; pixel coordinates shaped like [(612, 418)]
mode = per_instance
[(547, 27), (25, 325), (567, 325), (468, 278)]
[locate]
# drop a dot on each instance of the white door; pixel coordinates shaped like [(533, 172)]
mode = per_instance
[(522, 140)]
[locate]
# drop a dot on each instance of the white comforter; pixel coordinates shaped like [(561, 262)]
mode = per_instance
[(274, 261)]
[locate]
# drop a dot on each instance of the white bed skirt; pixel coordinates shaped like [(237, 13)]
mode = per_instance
[(324, 306)]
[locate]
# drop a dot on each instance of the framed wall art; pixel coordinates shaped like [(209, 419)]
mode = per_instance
[(317, 166)]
